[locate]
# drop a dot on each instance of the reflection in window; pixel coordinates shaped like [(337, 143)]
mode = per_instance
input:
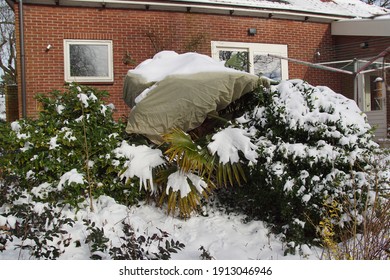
[(253, 58), (88, 60), (267, 66), (235, 59)]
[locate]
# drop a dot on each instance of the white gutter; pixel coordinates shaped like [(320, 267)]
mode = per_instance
[(196, 8)]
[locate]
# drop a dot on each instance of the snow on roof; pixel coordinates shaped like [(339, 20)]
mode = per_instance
[(352, 8)]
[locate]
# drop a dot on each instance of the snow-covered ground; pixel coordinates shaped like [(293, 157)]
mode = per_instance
[(224, 236)]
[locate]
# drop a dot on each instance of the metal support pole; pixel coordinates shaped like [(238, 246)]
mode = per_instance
[(22, 59), (319, 66)]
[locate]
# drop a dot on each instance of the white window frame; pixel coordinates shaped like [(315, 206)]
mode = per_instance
[(89, 79), (253, 48)]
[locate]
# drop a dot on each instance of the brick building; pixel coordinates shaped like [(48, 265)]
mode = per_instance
[(121, 33)]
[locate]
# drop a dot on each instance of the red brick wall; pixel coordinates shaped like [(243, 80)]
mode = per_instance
[(129, 29)]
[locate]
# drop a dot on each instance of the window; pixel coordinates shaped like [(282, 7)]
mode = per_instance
[(371, 91), (88, 61), (253, 58)]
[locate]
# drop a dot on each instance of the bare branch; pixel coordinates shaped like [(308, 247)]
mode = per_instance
[(7, 43)]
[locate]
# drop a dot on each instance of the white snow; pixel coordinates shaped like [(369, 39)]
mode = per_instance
[(42, 190), (140, 162), (352, 8), (72, 176), (178, 181), (84, 99), (228, 142), (15, 126), (329, 107), (166, 63), (60, 108), (53, 143), (224, 236)]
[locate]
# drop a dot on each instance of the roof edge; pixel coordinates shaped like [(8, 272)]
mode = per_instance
[(195, 8)]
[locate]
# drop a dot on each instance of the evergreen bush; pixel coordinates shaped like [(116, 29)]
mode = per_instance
[(312, 143), (52, 166), (67, 153)]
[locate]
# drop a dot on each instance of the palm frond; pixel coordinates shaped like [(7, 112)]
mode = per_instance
[(189, 156)]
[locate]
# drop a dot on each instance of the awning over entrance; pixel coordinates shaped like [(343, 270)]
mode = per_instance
[(378, 26)]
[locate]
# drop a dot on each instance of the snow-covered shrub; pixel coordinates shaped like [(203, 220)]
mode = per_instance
[(313, 145), (366, 230), (67, 153), (40, 230)]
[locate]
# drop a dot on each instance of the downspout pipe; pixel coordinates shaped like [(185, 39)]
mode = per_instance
[(22, 59)]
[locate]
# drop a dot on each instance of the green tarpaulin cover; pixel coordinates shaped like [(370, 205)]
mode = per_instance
[(181, 101)]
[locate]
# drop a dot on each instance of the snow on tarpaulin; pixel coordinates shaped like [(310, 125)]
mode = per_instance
[(179, 91), (167, 63), (139, 81)]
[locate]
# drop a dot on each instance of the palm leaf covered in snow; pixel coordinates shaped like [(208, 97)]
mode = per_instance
[(198, 171)]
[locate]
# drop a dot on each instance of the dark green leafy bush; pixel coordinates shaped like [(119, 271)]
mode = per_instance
[(312, 145), (50, 166), (66, 154)]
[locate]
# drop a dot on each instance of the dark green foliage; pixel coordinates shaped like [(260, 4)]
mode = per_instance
[(74, 131), (139, 248), (96, 239), (205, 255), (58, 161), (303, 159), (41, 231)]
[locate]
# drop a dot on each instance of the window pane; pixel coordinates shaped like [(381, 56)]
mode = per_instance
[(374, 98), (88, 60), (267, 66), (235, 59)]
